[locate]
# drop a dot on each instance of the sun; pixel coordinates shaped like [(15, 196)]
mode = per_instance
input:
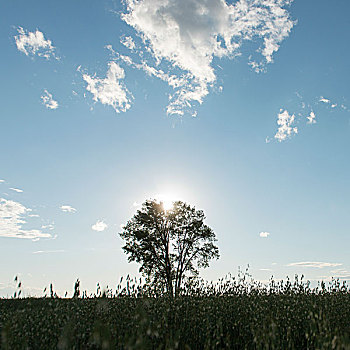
[(170, 194), (167, 205), (167, 199)]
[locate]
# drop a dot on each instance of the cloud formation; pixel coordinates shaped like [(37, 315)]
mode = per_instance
[(49, 226), (34, 43), (68, 209), (285, 128), (48, 100), (49, 251), (180, 39), (311, 119), (324, 100), (111, 90), (12, 218), (341, 274), (315, 264), (99, 226), (128, 42), (16, 190), (285, 120), (333, 104), (264, 234)]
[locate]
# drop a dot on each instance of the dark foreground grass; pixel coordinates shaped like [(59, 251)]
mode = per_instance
[(229, 315)]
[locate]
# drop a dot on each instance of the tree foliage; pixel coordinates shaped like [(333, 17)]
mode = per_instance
[(169, 244)]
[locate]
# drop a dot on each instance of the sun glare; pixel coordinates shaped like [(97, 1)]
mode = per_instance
[(167, 199), (167, 205)]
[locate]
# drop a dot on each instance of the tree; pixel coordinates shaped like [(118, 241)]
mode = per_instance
[(169, 244)]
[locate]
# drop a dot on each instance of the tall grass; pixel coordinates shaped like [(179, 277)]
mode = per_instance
[(233, 313)]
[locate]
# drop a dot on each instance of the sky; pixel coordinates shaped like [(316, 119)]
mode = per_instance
[(240, 108)]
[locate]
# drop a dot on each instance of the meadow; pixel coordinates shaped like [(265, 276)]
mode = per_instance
[(233, 313)]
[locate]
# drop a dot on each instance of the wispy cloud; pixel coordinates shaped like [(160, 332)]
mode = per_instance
[(333, 104), (324, 100), (16, 190), (34, 43), (2, 181), (49, 251), (128, 42), (315, 264), (286, 119), (286, 128), (311, 119), (49, 226), (48, 100), (13, 217), (99, 226), (264, 234), (68, 209), (340, 273), (183, 37), (111, 90)]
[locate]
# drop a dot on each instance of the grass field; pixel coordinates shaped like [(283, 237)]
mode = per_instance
[(231, 314)]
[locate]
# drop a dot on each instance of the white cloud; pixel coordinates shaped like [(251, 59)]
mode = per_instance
[(110, 90), (49, 226), (341, 274), (285, 120), (12, 218), (324, 100), (128, 42), (16, 190), (2, 181), (68, 209), (333, 104), (315, 264), (49, 251), (48, 101), (34, 43), (311, 119), (285, 129), (264, 234), (185, 36), (99, 226), (172, 79)]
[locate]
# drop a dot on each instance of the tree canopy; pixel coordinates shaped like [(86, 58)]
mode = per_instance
[(169, 244)]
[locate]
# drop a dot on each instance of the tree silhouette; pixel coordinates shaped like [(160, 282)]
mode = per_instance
[(169, 244)]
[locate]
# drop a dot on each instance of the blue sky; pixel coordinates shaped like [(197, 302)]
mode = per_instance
[(241, 108)]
